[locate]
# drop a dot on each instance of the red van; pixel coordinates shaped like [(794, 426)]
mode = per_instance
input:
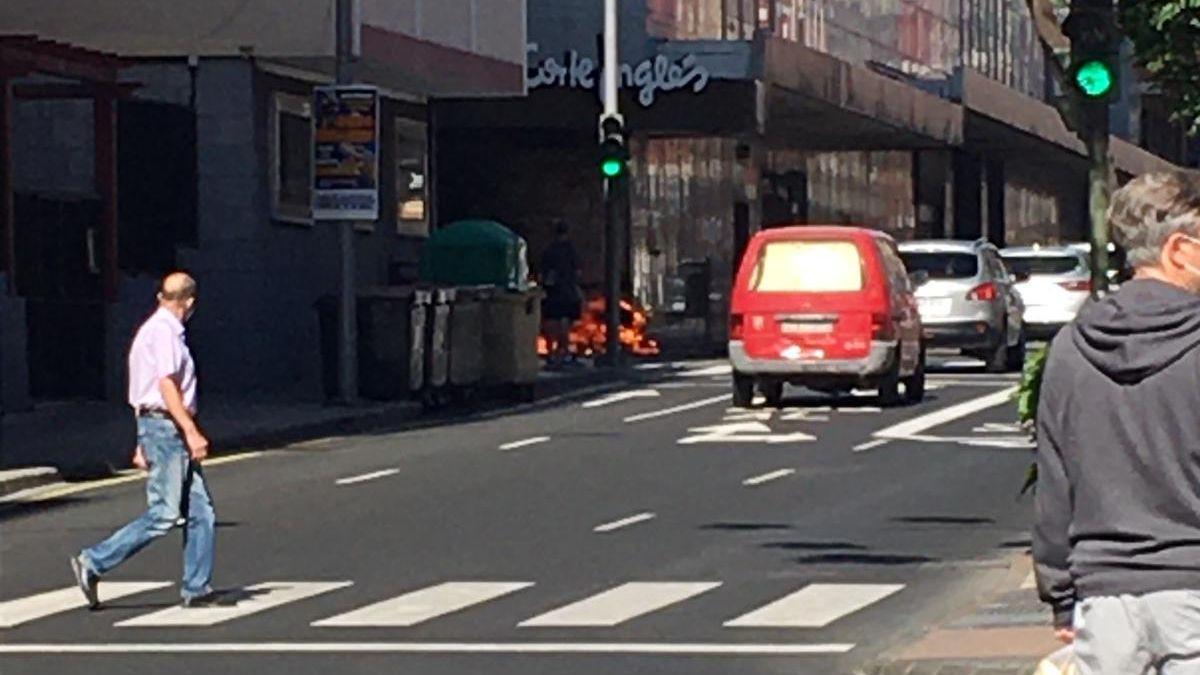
[(828, 308)]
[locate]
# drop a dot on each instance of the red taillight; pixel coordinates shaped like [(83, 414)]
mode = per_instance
[(882, 326), (983, 293), (1084, 286), (737, 327)]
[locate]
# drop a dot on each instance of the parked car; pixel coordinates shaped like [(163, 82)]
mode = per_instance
[(1054, 282), (828, 308), (968, 301)]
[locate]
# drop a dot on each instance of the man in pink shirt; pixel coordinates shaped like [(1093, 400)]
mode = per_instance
[(162, 392)]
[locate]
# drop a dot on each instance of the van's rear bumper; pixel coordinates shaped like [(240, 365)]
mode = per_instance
[(876, 363)]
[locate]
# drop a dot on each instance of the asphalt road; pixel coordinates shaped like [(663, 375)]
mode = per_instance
[(650, 530)]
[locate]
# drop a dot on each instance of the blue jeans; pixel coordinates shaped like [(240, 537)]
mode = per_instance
[(175, 486)]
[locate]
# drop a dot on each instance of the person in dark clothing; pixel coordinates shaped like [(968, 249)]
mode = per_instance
[(563, 304), (1116, 542)]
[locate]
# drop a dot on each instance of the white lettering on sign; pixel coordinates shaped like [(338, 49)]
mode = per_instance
[(654, 75)]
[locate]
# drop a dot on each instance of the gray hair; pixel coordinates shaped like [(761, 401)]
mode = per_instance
[(1151, 208)]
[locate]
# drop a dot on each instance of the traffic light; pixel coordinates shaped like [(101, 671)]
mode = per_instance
[(613, 153), (1095, 53)]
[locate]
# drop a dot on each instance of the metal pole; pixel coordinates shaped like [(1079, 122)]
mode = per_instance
[(612, 243), (348, 314), (1099, 196)]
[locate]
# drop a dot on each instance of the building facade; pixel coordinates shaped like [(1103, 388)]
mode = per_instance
[(213, 166)]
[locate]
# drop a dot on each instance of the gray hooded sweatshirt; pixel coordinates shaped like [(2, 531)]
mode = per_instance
[(1118, 493)]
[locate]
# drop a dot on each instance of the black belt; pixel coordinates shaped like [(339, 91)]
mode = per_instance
[(157, 413)]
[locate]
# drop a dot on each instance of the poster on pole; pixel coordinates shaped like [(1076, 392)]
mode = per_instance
[(346, 153)]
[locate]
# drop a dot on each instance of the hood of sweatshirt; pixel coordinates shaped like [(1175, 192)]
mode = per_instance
[(1138, 331)]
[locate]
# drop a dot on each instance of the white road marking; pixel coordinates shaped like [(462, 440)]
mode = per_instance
[(621, 396), (618, 605), (768, 477), (679, 408), (739, 415), (815, 606), (997, 428), (261, 598), (1030, 582), (23, 610), (675, 648), (916, 425), (536, 440), (624, 522), (711, 371), (742, 432), (871, 445), (423, 605), (860, 410), (367, 476)]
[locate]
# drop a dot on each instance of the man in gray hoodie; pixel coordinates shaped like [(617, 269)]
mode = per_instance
[(1117, 538)]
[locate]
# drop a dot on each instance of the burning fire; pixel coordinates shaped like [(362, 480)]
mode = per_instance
[(588, 335)]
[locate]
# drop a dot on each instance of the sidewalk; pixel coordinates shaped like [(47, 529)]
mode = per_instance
[(1005, 635), (81, 440)]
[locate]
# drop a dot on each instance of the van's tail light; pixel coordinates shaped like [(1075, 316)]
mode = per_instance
[(1084, 286), (882, 326), (983, 293), (737, 326)]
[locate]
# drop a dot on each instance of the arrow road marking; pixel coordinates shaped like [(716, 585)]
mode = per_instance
[(909, 429), (742, 432)]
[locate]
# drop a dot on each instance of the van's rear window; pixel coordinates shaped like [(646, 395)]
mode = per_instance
[(947, 265), (808, 267)]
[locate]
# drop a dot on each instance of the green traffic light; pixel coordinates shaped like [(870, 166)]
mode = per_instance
[(612, 167), (1095, 79)]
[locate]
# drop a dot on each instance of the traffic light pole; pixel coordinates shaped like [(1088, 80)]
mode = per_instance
[(613, 188), (1099, 194)]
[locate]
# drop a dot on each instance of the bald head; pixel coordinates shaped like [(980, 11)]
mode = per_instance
[(177, 286)]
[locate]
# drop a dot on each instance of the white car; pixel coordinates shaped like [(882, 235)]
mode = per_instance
[(1054, 282)]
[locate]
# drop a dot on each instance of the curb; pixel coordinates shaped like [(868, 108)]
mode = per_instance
[(17, 480)]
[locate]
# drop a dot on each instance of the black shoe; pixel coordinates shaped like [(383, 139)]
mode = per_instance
[(88, 583)]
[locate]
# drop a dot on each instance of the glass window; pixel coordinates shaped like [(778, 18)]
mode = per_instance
[(291, 158), (808, 267), (1045, 264), (942, 265), (411, 179)]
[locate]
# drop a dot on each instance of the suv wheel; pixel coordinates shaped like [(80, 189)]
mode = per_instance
[(1015, 355), (997, 359), (743, 390), (914, 385), (889, 386)]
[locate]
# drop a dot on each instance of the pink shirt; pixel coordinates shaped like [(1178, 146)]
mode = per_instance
[(159, 350)]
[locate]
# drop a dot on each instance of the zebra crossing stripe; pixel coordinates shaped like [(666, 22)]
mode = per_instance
[(422, 605), (236, 604), (23, 610), (620, 604), (815, 606)]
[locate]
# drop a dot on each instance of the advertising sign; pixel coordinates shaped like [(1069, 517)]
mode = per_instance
[(346, 153)]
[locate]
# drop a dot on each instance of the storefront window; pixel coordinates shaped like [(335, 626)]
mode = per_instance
[(291, 158), (411, 179)]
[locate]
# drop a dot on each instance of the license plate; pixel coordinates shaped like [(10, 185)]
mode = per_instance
[(935, 306), (797, 328)]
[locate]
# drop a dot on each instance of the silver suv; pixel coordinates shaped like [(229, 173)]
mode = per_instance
[(968, 300)]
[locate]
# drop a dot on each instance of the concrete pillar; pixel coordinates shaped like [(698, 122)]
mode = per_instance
[(931, 174), (968, 196)]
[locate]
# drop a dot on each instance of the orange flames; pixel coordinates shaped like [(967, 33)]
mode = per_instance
[(589, 335)]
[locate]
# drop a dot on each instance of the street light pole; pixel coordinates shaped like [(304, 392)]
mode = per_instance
[(612, 188), (348, 314)]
